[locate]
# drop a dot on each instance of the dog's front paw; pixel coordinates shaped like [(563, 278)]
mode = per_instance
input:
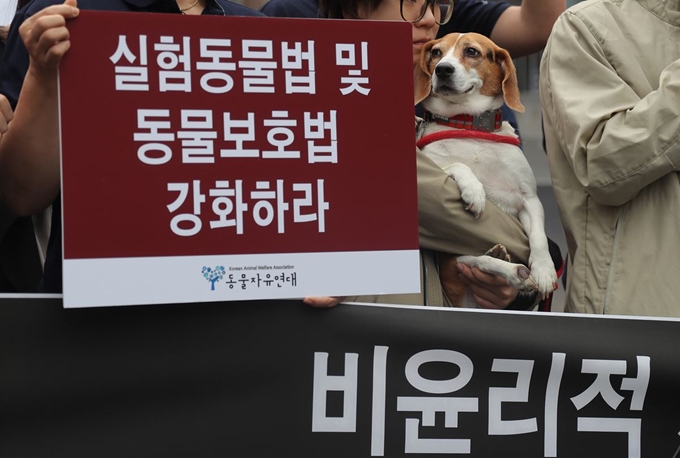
[(523, 281), (474, 196), (543, 273)]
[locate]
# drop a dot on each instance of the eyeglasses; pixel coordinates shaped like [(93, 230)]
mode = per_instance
[(412, 12)]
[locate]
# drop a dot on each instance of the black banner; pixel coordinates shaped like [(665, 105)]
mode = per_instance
[(270, 379)]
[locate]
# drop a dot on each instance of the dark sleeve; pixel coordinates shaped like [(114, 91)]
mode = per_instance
[(474, 16), (20, 269), (292, 8)]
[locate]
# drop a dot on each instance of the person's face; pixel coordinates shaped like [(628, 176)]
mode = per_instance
[(422, 31)]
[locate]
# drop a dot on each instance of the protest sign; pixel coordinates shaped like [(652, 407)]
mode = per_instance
[(230, 158)]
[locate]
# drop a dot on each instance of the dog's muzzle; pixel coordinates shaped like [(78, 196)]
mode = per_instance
[(444, 83)]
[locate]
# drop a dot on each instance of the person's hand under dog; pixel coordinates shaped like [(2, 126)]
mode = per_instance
[(489, 291)]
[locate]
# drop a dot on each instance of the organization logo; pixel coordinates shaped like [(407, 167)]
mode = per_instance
[(213, 275), (252, 276)]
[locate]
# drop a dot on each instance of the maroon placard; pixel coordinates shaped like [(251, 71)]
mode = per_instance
[(116, 205)]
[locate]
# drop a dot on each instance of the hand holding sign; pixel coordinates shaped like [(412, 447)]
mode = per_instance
[(323, 302), (29, 155), (47, 38)]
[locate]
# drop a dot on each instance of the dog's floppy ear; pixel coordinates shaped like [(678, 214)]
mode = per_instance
[(421, 74), (510, 86)]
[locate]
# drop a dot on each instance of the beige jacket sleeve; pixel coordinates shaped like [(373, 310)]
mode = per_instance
[(446, 226), (617, 136)]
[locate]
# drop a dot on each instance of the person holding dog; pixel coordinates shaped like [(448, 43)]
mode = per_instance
[(445, 225), (610, 93), (521, 30)]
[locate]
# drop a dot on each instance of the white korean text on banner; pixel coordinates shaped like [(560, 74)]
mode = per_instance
[(278, 378)]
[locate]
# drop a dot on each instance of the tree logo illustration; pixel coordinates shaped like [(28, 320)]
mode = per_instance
[(213, 275)]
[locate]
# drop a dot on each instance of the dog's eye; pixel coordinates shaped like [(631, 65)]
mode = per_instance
[(472, 52), (436, 52)]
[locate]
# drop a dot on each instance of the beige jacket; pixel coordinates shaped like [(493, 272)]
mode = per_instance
[(610, 91), (446, 226)]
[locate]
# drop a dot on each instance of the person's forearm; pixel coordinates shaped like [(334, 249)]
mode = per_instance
[(29, 151), (524, 29)]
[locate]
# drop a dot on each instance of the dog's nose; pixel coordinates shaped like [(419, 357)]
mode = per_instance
[(444, 70)]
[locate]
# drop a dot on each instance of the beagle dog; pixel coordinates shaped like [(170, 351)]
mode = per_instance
[(462, 81)]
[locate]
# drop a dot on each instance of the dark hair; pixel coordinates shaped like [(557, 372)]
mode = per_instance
[(339, 9)]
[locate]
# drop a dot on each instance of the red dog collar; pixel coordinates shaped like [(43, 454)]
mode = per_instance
[(489, 121), (470, 134)]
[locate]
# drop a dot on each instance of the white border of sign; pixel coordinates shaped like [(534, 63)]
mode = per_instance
[(180, 279)]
